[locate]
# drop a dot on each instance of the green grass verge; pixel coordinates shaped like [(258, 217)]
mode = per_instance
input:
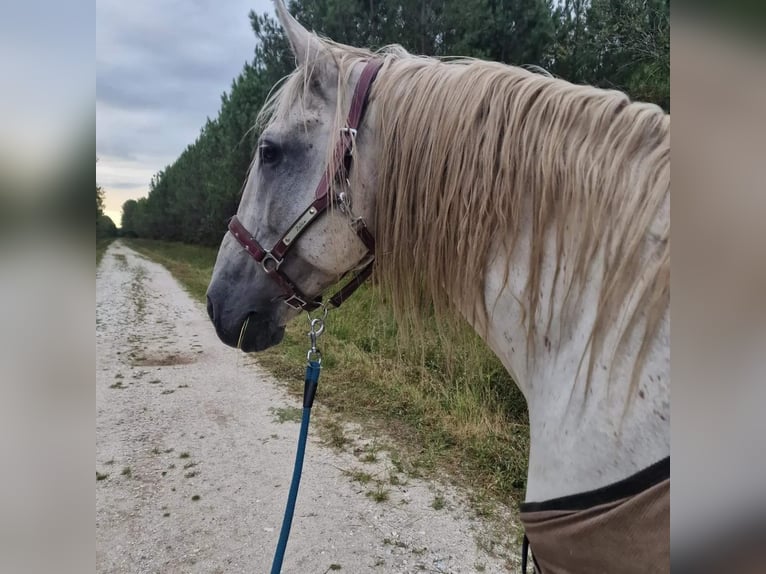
[(446, 398)]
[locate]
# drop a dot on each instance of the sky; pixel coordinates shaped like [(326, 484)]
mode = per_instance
[(161, 67)]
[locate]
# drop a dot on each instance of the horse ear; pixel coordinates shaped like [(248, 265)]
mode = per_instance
[(303, 43)]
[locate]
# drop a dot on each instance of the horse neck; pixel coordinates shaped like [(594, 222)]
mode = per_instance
[(585, 432), (593, 420)]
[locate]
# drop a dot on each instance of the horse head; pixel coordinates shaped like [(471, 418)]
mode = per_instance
[(304, 207)]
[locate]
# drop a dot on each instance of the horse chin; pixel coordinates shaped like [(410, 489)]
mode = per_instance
[(253, 333), (259, 335)]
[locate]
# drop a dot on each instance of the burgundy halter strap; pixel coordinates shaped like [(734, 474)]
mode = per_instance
[(272, 259)]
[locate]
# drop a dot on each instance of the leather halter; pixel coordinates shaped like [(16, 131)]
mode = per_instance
[(272, 259)]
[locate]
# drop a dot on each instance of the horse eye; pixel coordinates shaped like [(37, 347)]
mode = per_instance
[(270, 153)]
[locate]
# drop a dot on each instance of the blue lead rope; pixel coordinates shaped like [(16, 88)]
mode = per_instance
[(309, 390)]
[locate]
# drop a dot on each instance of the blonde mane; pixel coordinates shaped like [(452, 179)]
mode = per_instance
[(468, 148)]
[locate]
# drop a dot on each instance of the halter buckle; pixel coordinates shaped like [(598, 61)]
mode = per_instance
[(349, 131), (295, 302), (356, 223)]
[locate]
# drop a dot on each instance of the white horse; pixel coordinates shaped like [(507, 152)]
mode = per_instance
[(536, 209)]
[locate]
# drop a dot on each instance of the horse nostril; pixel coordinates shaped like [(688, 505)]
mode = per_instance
[(210, 311)]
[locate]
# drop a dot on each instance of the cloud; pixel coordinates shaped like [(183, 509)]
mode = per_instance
[(161, 67)]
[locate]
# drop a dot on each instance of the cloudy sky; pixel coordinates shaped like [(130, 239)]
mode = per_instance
[(161, 66)]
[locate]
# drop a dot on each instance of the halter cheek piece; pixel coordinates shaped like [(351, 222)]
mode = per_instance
[(338, 170)]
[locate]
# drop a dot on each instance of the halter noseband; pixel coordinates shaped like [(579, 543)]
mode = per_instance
[(272, 259)]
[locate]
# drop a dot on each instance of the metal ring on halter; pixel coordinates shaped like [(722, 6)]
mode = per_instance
[(270, 263), (325, 310)]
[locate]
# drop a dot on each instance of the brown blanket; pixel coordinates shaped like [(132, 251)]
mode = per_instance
[(623, 528)]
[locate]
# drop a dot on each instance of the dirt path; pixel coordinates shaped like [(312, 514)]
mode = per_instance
[(198, 464)]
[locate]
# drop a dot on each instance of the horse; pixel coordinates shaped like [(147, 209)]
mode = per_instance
[(535, 209)]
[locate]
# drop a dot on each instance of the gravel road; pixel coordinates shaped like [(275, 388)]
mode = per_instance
[(193, 465)]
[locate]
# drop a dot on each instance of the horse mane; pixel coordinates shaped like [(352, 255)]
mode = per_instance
[(468, 148)]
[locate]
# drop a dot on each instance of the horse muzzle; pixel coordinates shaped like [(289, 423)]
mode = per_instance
[(251, 332)]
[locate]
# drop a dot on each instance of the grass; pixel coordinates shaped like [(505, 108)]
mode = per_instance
[(101, 475), (370, 457), (286, 414), (441, 395), (126, 472), (138, 293), (379, 495), (359, 476), (397, 543), (331, 431)]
